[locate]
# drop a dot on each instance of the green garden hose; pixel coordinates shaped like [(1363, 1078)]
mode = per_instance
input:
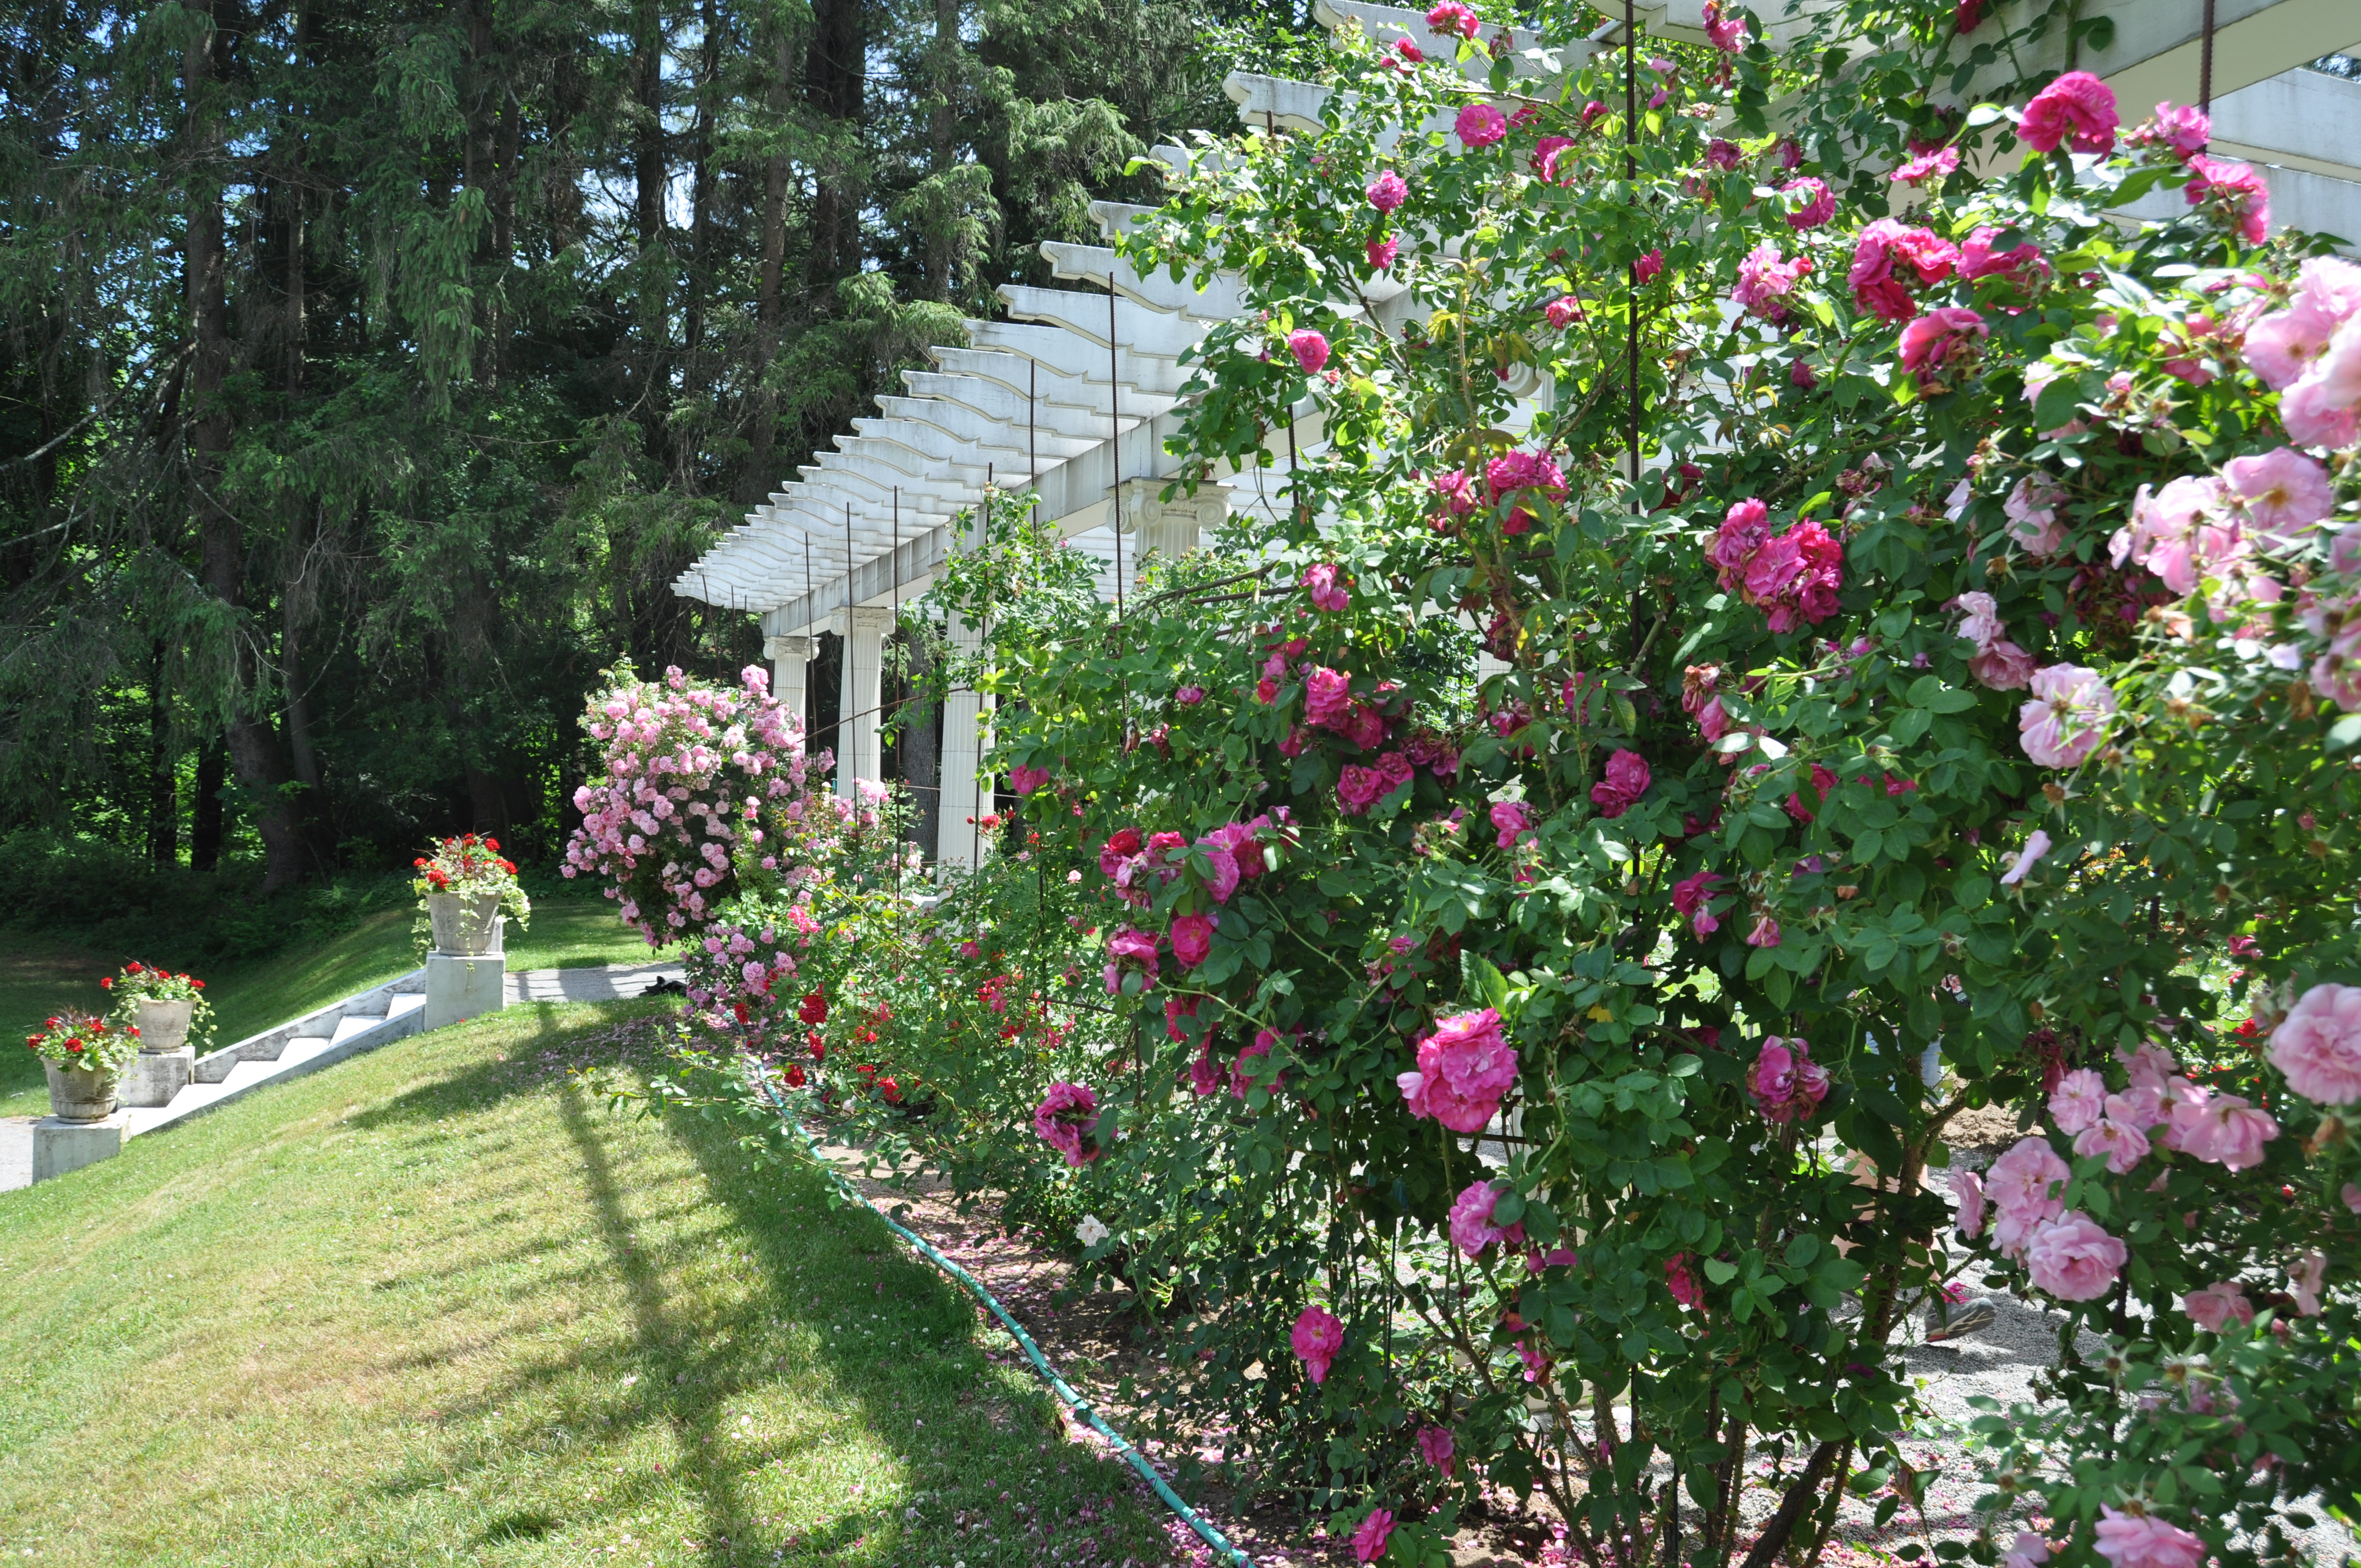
[(1223, 1551)]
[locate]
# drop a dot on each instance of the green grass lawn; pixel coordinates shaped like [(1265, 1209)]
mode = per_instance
[(39, 977), (439, 1304)]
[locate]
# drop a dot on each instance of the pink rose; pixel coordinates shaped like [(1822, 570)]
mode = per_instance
[(1326, 586), (2122, 1145), (2032, 512), (2235, 193), (1480, 125), (1358, 788), (1127, 948), (2142, 1541), (1765, 933), (1931, 341), (1435, 1446), (1726, 33), (1471, 1225), (2314, 418), (1453, 19), (2028, 1550), (1647, 266), (1969, 1189), (1024, 780), (1193, 939), (2305, 1277), (2284, 345), (1388, 191), (2283, 491), (2075, 1259), (1887, 256), (1935, 163), (2067, 717), (1328, 699), (2216, 1305), (2077, 108), (1978, 259), (2318, 1044), (1626, 781), (1381, 253), (1066, 1112), (1809, 202), (1369, 1537), (2003, 667), (1785, 1083), (2078, 1102), (1311, 349), (2037, 844), (1562, 312), (1317, 1338), (1510, 818), (1464, 1069), (1765, 280), (2021, 1181), (1682, 1283), (1690, 897), (2184, 131), (2225, 1130)]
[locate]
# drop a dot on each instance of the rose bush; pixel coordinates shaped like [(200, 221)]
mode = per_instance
[(1540, 1062)]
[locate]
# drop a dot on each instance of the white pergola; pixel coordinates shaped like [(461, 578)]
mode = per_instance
[(1074, 395)]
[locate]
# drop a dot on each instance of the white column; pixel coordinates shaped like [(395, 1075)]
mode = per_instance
[(967, 792), (791, 659), (858, 754), (1172, 528)]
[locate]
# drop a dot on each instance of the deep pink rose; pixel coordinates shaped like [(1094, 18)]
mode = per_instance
[(1435, 1446), (1381, 253), (1369, 1536), (1726, 33), (1326, 585), (1471, 1225), (1481, 124), (1388, 191), (1785, 1081), (1765, 280), (1066, 1112), (1978, 259), (1682, 1283), (1193, 939), (1311, 349), (1765, 933), (1644, 269), (2235, 192), (1451, 19), (1317, 1338), (1626, 781), (1358, 788), (1562, 312), (1328, 699), (1810, 203), (2077, 109), (1931, 341), (2073, 1258), (1509, 818)]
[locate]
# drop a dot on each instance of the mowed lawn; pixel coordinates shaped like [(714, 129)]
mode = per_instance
[(38, 977), (439, 1304)]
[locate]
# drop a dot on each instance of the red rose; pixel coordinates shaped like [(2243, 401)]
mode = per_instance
[(74, 1045), (106, 983)]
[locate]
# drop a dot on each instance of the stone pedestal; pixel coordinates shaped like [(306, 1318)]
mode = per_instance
[(458, 987), (152, 1078), (61, 1146)]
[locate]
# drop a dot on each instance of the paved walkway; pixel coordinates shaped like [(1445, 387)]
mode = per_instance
[(601, 983)]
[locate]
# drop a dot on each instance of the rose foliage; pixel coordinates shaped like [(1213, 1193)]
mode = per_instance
[(1962, 710)]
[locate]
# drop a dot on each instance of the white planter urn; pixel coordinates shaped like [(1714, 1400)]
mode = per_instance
[(466, 925)]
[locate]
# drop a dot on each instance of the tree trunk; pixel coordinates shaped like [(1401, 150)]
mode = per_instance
[(835, 68), (205, 810), (163, 791), (754, 481), (252, 749), (939, 134)]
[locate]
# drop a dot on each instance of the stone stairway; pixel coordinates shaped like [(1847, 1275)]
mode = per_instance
[(321, 1037)]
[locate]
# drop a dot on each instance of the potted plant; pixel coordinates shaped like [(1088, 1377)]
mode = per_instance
[(174, 1021), (85, 1056), (462, 888)]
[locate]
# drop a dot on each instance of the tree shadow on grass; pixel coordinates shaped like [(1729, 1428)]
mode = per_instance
[(906, 1386)]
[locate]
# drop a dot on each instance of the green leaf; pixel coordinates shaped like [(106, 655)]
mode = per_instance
[(2344, 733), (1720, 1272)]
